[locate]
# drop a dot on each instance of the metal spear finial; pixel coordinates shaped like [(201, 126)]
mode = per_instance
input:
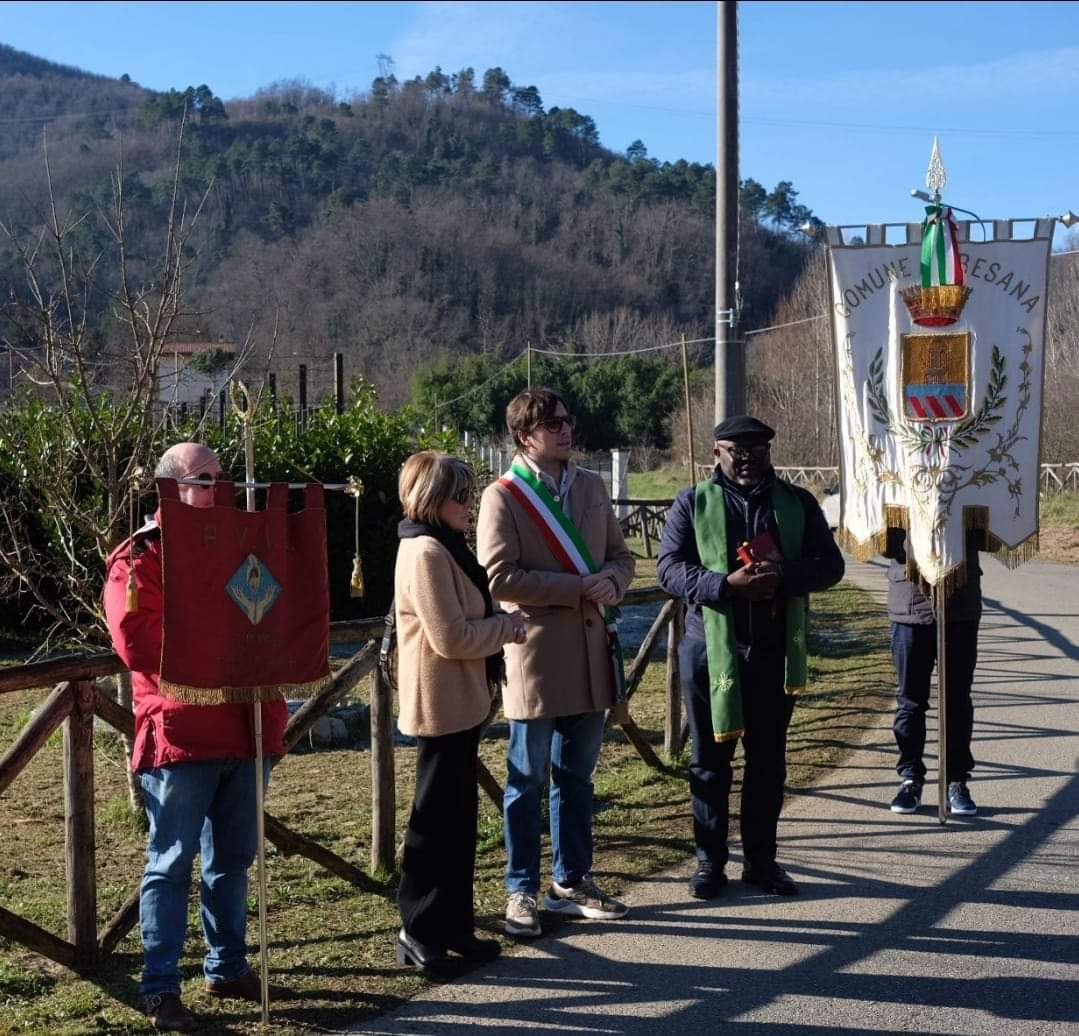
[(936, 177)]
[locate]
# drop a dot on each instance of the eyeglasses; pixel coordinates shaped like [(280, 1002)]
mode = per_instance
[(462, 497), (757, 450), (554, 425)]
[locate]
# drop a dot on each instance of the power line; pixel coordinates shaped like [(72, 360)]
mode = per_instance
[(476, 388), (625, 352), (70, 115), (789, 323)]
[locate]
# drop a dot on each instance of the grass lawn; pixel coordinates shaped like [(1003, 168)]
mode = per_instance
[(330, 942), (661, 484)]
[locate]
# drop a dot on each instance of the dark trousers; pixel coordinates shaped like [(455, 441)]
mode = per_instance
[(766, 712), (914, 650), (439, 860)]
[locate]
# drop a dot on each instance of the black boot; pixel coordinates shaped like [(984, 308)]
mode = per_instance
[(707, 882), (430, 960), (476, 950)]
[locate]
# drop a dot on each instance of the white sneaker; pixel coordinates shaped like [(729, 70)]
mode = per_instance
[(522, 916), (585, 899)]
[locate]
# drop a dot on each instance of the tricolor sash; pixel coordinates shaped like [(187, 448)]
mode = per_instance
[(569, 549)]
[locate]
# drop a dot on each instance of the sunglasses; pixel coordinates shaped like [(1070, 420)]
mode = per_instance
[(205, 476), (554, 425), (757, 450)]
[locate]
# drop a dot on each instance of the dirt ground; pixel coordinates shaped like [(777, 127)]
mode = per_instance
[(1057, 543)]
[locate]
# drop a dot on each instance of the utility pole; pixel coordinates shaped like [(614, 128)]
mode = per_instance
[(730, 358)]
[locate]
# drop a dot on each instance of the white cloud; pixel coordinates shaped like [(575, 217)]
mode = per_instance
[(953, 87), (565, 49), (456, 35)]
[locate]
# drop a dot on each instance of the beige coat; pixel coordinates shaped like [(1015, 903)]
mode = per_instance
[(442, 641), (563, 668)]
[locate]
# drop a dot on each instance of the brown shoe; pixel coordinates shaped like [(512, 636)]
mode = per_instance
[(167, 1013), (246, 987)]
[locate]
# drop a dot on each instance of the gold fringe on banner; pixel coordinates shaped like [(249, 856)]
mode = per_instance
[(946, 587), (895, 517), (974, 517), (861, 550), (242, 695), (1013, 557)]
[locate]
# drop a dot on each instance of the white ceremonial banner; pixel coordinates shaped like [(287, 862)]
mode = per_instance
[(940, 427)]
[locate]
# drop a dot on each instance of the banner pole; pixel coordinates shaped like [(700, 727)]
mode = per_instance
[(942, 710), (245, 415)]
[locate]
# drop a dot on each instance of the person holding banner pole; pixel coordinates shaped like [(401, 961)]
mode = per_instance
[(915, 640), (744, 549), (449, 650), (551, 544), (195, 770)]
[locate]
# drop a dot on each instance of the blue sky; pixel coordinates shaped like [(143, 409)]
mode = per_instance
[(841, 98)]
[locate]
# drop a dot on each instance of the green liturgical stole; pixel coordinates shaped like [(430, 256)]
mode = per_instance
[(710, 527)]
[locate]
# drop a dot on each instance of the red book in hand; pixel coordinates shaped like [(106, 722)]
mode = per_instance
[(760, 548)]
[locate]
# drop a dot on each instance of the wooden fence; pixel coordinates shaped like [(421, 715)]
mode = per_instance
[(77, 698), (1053, 478), (645, 518)]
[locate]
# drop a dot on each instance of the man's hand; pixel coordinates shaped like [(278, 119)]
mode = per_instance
[(599, 588), (756, 582)]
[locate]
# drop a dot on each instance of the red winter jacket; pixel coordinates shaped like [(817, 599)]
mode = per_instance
[(168, 731)]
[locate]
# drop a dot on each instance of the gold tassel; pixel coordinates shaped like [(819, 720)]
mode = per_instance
[(355, 586), (354, 488), (132, 597)]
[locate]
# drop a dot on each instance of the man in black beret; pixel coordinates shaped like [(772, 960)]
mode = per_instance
[(744, 549)]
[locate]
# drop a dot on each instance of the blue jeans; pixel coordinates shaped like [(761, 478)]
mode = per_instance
[(570, 746), (207, 806)]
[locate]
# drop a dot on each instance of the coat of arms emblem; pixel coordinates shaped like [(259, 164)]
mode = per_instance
[(935, 376)]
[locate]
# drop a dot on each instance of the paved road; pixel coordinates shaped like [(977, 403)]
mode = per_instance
[(903, 925)]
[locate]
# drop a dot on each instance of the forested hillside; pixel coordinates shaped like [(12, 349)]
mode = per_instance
[(448, 215)]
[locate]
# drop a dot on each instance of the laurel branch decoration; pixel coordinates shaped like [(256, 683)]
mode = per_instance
[(936, 480)]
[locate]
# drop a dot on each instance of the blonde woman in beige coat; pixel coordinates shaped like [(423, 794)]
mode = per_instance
[(449, 641)]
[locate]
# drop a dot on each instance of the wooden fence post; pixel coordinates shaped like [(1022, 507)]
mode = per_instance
[(79, 837), (383, 791), (672, 723)]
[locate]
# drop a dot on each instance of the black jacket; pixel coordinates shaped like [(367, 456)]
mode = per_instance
[(907, 601), (681, 573)]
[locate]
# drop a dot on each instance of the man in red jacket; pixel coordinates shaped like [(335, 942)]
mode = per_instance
[(196, 770)]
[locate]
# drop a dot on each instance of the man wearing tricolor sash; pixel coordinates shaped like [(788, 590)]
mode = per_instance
[(744, 549), (552, 547)]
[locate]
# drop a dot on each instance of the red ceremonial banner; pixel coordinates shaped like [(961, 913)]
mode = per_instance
[(246, 597)]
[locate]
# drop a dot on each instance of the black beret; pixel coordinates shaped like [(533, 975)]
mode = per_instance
[(744, 429)]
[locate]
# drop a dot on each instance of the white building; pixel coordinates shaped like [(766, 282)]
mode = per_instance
[(188, 370)]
